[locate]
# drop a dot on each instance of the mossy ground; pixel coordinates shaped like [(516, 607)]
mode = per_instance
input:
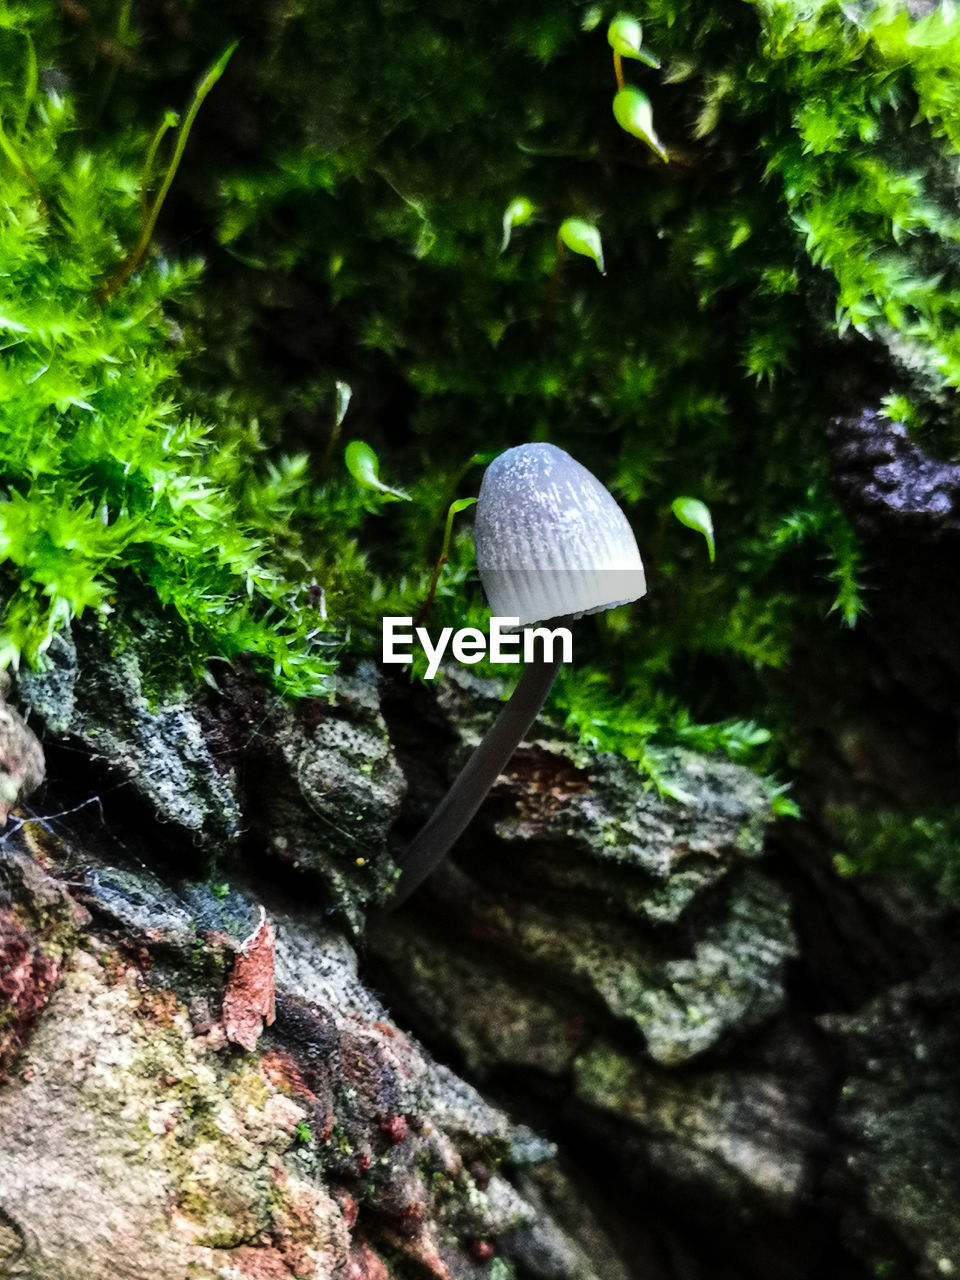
[(345, 186)]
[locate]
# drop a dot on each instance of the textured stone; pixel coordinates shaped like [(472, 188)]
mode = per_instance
[(621, 948), (49, 691), (747, 1133), (334, 795), (896, 1168), (905, 507), (319, 784), (27, 977), (135, 1141), (888, 480), (22, 765), (38, 929), (614, 959), (95, 697), (127, 1150), (586, 825)]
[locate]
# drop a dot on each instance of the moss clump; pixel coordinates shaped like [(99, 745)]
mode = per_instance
[(924, 848), (347, 182), (106, 486), (365, 241)]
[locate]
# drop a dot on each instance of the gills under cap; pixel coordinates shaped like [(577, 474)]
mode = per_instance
[(550, 540)]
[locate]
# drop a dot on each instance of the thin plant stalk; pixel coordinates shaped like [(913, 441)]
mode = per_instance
[(454, 509), (139, 251), (119, 48), (170, 121), (550, 296), (21, 166)]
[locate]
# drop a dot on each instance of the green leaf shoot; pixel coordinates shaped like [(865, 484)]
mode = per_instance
[(517, 212), (461, 504), (696, 515), (633, 113), (625, 37), (583, 238), (364, 465), (344, 396)]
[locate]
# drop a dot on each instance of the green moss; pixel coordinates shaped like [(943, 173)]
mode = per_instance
[(108, 486), (923, 848), (347, 182), (694, 367)]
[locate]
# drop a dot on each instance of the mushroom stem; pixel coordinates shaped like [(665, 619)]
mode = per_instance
[(454, 812)]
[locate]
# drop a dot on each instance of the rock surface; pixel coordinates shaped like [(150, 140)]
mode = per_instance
[(136, 1140), (197, 1080), (899, 1122), (905, 505), (21, 756), (629, 965), (202, 1077)]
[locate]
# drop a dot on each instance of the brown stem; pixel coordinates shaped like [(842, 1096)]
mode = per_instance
[(432, 590), (618, 70), (551, 294)]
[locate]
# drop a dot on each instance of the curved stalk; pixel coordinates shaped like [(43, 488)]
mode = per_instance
[(618, 70), (139, 251), (454, 812)]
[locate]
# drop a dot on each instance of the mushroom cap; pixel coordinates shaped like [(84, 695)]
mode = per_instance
[(551, 541)]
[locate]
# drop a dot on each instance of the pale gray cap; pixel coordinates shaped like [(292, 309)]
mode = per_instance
[(551, 541)]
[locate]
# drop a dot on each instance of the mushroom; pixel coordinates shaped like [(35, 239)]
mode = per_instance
[(551, 545)]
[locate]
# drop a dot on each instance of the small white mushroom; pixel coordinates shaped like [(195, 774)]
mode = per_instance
[(551, 543), (550, 540)]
